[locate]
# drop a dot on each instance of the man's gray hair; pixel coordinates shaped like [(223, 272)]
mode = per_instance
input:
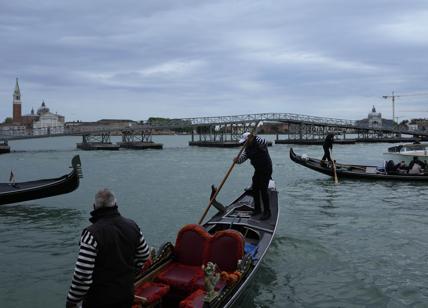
[(104, 198)]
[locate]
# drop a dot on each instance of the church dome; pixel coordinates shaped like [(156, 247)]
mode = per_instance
[(374, 114), (42, 109)]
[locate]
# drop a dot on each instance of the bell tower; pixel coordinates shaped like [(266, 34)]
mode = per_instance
[(17, 103)]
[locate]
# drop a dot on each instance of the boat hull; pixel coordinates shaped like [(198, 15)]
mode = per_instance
[(266, 230), (354, 171), (24, 191)]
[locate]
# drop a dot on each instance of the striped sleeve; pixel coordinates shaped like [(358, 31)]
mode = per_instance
[(82, 278), (260, 141), (143, 252), (242, 158)]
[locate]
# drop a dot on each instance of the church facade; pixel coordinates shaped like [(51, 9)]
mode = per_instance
[(374, 120), (43, 122)]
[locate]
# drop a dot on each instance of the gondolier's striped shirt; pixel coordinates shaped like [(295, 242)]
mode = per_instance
[(82, 278), (244, 156)]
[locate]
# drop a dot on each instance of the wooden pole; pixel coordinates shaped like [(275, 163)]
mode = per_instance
[(228, 173), (336, 181)]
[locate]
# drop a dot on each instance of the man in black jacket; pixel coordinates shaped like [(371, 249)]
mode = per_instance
[(328, 147), (111, 251), (257, 151)]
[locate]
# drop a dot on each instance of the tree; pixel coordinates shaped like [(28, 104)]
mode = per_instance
[(8, 120)]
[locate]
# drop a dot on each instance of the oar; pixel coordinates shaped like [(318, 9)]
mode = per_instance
[(336, 181), (228, 173)]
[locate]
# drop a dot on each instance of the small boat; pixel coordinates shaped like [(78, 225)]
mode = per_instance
[(211, 264), (4, 147), (354, 171), (407, 151), (23, 191)]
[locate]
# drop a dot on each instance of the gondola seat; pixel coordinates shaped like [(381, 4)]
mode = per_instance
[(229, 241), (153, 292), (194, 300), (189, 253), (195, 247)]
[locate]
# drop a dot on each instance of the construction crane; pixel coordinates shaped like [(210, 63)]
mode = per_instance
[(393, 97), (393, 103)]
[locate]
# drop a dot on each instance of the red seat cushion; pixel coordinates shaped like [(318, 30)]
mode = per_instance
[(225, 249), (191, 245), (152, 291), (194, 300), (180, 276)]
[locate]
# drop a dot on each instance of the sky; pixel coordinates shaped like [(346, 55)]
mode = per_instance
[(91, 60)]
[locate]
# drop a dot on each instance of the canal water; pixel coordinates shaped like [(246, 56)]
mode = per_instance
[(355, 244)]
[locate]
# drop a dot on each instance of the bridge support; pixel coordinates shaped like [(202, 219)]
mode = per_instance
[(97, 142), (140, 140)]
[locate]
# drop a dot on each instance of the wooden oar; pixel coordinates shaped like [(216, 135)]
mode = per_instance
[(336, 181), (228, 173)]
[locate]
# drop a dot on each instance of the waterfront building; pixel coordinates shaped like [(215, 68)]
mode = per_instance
[(374, 120), (46, 122), (12, 129), (79, 126), (41, 123)]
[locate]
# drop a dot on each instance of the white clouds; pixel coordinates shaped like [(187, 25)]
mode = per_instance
[(410, 28), (176, 68), (190, 57), (313, 60)]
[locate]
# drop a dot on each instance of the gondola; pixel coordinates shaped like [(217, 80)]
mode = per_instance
[(23, 191), (232, 239), (355, 171)]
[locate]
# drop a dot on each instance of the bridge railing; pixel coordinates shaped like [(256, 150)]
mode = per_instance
[(198, 121), (244, 118)]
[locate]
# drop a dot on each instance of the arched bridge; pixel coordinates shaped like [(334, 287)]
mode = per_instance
[(300, 126)]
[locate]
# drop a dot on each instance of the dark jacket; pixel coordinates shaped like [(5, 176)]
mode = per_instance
[(258, 154), (114, 273), (328, 142)]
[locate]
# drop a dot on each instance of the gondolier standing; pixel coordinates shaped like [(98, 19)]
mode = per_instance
[(111, 251), (257, 151), (328, 147)]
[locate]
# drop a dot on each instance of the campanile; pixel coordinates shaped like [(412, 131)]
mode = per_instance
[(17, 104)]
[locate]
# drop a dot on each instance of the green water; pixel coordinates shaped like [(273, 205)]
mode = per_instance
[(356, 244)]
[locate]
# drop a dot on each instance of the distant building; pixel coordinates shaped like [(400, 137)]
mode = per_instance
[(79, 126), (46, 122), (374, 120), (16, 104), (413, 127), (13, 129), (41, 123), (419, 124)]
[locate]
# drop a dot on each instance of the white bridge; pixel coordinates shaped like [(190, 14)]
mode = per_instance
[(303, 125)]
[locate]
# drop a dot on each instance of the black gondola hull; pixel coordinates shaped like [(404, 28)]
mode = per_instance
[(354, 171), (32, 190)]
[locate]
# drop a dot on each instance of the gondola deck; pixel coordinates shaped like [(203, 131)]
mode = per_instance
[(256, 235)]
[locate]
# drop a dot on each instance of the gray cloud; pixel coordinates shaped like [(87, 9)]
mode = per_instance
[(135, 59)]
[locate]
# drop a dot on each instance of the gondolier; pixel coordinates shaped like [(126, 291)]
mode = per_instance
[(257, 151), (111, 250), (328, 147)]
